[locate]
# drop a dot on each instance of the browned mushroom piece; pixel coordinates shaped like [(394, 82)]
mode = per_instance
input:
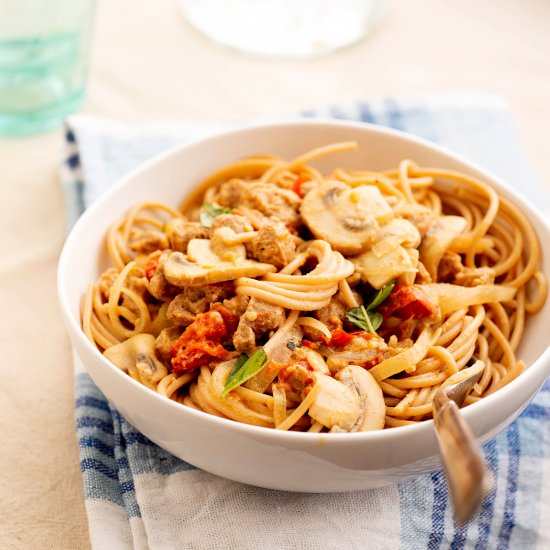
[(204, 266), (395, 233), (380, 270), (233, 253), (337, 405), (348, 218), (352, 401), (137, 357), (373, 407)]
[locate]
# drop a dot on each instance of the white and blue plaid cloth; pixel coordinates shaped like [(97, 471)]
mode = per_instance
[(139, 496)]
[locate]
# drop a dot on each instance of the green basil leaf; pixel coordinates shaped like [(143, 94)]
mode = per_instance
[(355, 316), (375, 319), (253, 364), (365, 320), (381, 295), (209, 212), (242, 359)]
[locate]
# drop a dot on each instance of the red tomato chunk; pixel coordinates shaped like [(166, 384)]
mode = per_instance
[(297, 187), (151, 266), (309, 344), (340, 338), (200, 343), (409, 302)]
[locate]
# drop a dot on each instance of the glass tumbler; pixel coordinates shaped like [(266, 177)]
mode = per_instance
[(44, 50)]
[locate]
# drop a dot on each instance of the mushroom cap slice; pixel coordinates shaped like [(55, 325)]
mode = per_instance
[(199, 251), (396, 232), (211, 252), (347, 218), (181, 272), (380, 270), (137, 357), (337, 405), (233, 253), (373, 415)]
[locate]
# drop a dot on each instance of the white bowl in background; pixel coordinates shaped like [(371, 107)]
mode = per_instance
[(259, 456)]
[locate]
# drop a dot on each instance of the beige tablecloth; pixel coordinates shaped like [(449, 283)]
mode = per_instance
[(147, 63)]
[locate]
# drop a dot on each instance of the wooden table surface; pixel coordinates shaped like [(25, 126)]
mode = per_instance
[(148, 63)]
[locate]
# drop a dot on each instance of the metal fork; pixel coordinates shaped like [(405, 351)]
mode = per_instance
[(462, 461)]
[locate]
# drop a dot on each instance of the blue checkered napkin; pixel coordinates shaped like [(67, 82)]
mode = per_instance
[(140, 496)]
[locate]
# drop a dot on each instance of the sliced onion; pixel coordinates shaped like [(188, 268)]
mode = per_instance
[(282, 353), (301, 409), (406, 360), (438, 239), (360, 357), (454, 297), (315, 324), (348, 355), (279, 405), (277, 354)]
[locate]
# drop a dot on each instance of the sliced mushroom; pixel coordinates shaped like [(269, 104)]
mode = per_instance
[(378, 271), (337, 405), (200, 252), (437, 240), (179, 271), (208, 252), (419, 215), (232, 253), (348, 218), (137, 357), (373, 407), (396, 232)]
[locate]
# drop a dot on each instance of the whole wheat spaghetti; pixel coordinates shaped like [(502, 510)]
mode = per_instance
[(286, 298)]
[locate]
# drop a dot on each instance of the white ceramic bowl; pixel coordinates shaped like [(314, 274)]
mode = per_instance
[(258, 456)]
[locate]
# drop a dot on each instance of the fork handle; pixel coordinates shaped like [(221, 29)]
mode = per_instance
[(464, 467)]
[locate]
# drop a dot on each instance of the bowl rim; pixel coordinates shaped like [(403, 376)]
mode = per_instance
[(470, 413)]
